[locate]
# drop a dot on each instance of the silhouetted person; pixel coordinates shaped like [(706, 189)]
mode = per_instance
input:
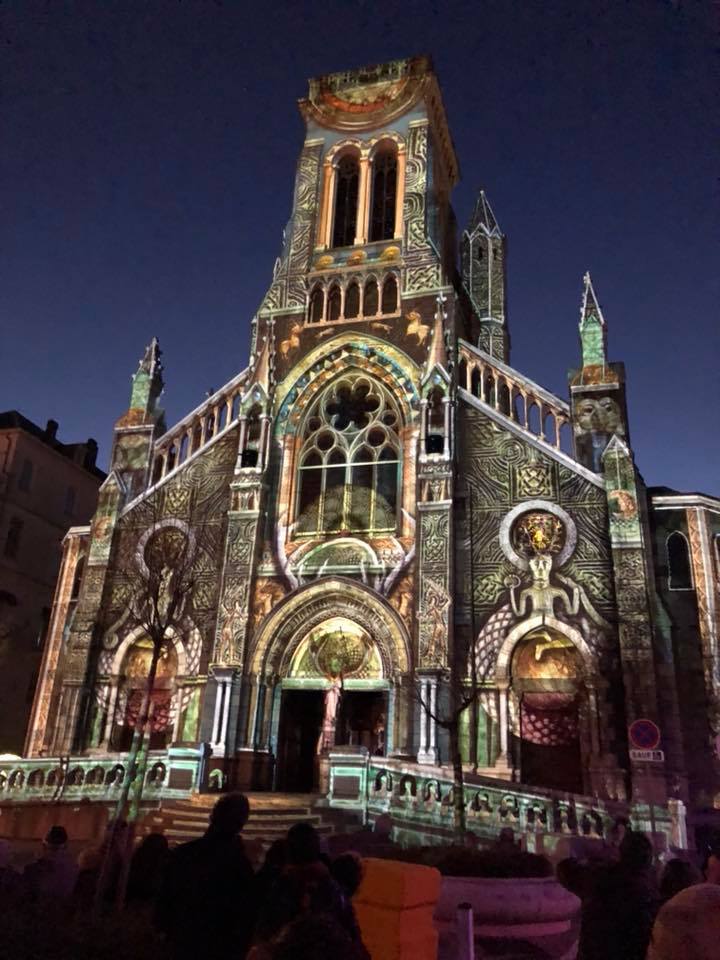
[(147, 870), (207, 902), (316, 937), (305, 886), (52, 876), (276, 858), (688, 926), (9, 877), (676, 876), (619, 914)]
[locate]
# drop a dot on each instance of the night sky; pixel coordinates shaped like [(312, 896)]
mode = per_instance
[(147, 156)]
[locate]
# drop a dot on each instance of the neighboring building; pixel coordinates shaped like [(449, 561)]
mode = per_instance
[(45, 487), (388, 496)]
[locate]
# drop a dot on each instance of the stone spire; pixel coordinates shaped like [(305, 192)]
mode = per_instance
[(437, 354), (593, 333), (264, 367), (147, 385), (483, 277)]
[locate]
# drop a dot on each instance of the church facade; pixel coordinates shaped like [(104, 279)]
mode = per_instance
[(386, 516)]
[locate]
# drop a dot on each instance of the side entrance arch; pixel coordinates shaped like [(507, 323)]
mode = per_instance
[(332, 657)]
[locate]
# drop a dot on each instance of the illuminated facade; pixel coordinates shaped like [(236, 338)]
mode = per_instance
[(388, 498)]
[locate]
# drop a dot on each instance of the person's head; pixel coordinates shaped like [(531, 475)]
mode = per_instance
[(56, 838), (276, 855), (636, 852), (230, 814), (154, 845), (619, 829), (688, 925), (90, 858), (303, 844), (347, 871), (676, 876), (383, 826)]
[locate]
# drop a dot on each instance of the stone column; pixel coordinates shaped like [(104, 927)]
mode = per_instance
[(400, 192), (390, 719), (363, 208), (110, 716)]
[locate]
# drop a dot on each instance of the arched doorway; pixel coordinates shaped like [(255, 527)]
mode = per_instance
[(334, 694), (132, 689), (545, 704), (333, 654)]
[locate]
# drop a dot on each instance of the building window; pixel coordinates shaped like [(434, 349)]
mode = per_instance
[(389, 295), (26, 475), (678, 560), (352, 301), (12, 540), (384, 193), (317, 304), (347, 178), (70, 501), (370, 300), (334, 303), (349, 472), (77, 579)]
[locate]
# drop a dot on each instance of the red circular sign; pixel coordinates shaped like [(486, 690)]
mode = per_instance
[(644, 734)]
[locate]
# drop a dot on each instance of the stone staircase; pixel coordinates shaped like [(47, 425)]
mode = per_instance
[(271, 815)]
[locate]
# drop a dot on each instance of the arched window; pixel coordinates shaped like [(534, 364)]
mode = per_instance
[(251, 453), (132, 691), (347, 177), (352, 301), (317, 303), (370, 300), (678, 560), (435, 439), (389, 295), (384, 192), (349, 466), (334, 302)]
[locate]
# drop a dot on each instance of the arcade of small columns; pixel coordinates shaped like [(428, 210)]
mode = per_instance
[(365, 153)]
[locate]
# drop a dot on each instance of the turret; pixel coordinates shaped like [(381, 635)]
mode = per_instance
[(597, 389), (139, 427), (483, 277)]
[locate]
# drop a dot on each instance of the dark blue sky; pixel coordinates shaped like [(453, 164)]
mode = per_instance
[(147, 154)]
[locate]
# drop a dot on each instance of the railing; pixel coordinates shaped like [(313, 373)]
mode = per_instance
[(169, 773), (421, 802), (211, 418), (529, 405)]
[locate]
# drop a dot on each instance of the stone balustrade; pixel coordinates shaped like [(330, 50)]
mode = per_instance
[(173, 773), (213, 417), (420, 801), (534, 409)]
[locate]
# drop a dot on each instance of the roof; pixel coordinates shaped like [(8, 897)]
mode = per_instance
[(82, 454)]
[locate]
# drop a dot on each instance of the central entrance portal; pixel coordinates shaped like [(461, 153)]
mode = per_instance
[(301, 715)]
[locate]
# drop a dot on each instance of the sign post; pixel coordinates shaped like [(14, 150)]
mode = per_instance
[(644, 736)]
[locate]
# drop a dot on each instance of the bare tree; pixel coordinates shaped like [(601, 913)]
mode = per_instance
[(464, 684), (155, 562)]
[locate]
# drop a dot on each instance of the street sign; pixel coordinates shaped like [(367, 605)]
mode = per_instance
[(644, 735), (647, 756)]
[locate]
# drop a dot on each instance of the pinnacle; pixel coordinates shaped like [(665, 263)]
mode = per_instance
[(484, 217), (590, 305)]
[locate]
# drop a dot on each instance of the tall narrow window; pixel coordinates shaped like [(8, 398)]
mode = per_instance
[(352, 301), (334, 303), (349, 470), (678, 558), (370, 300), (12, 540), (26, 475), (317, 302), (347, 177), (389, 295), (69, 501), (384, 192)]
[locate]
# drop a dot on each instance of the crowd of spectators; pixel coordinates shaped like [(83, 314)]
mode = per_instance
[(204, 898)]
